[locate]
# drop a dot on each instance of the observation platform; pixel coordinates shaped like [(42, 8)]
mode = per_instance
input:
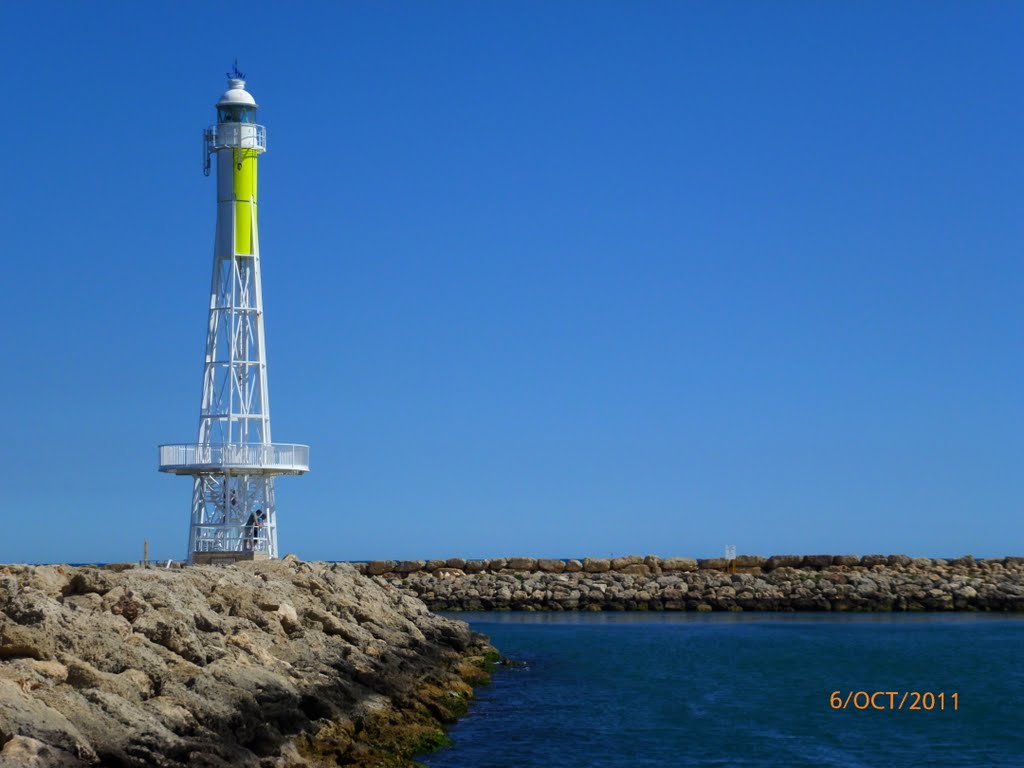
[(234, 459)]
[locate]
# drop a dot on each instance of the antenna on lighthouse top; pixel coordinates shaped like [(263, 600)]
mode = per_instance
[(235, 74)]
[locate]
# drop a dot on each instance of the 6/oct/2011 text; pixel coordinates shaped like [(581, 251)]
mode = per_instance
[(914, 701)]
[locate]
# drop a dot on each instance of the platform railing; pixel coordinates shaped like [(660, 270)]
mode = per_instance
[(243, 538), (264, 456)]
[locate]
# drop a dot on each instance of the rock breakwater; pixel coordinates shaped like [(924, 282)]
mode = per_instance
[(258, 664), (752, 583)]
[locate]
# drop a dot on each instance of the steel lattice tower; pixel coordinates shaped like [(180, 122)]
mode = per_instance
[(234, 461)]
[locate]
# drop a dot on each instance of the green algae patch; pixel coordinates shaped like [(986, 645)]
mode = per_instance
[(397, 730), (431, 742)]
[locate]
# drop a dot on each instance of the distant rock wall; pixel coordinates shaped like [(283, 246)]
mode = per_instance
[(754, 583), (270, 664)]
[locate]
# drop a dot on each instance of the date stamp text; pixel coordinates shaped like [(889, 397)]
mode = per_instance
[(913, 701)]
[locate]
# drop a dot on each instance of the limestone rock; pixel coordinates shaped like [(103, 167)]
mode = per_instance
[(802, 583), (521, 563), (635, 569), (782, 561), (679, 564), (380, 567), (846, 560), (25, 715), (260, 663), (25, 752), (17, 641), (817, 561), (713, 564), (410, 566), (750, 561), (288, 617), (619, 563), (551, 566)]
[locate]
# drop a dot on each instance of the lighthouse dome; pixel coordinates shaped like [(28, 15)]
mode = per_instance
[(236, 95)]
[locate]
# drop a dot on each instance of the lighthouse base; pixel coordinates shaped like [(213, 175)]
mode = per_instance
[(226, 558)]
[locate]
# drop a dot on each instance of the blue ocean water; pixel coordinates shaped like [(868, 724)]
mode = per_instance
[(609, 690)]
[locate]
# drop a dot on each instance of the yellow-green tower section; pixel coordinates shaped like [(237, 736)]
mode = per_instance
[(237, 187), (237, 142), (246, 164)]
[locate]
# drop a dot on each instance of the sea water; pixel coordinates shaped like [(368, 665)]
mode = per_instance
[(746, 689)]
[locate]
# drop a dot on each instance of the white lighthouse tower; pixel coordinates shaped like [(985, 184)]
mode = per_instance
[(234, 461)]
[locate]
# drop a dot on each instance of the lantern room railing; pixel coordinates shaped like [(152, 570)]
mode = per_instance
[(244, 135)]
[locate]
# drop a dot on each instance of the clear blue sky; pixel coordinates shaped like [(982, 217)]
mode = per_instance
[(552, 278)]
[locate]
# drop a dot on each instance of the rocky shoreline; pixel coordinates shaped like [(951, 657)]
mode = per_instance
[(751, 583), (272, 664)]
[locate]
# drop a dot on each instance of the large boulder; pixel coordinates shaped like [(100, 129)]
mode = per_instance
[(19, 641), (621, 563), (635, 569), (380, 567), (679, 564), (782, 561), (546, 565), (26, 752), (28, 716), (410, 566), (817, 561), (750, 561), (713, 564), (847, 561), (521, 564), (967, 561)]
